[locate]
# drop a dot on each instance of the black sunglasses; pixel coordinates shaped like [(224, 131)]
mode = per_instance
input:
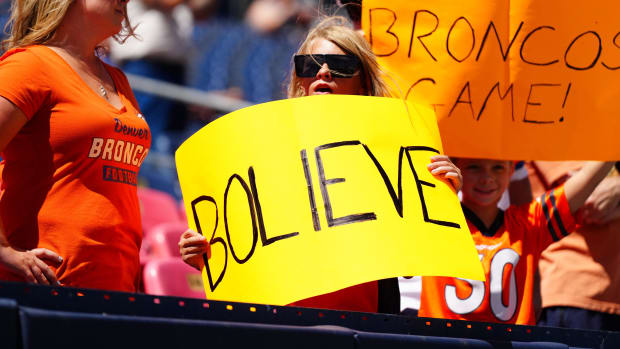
[(341, 66)]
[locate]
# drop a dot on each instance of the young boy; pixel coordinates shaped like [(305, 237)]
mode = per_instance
[(509, 243)]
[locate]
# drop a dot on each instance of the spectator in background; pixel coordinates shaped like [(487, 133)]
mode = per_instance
[(278, 27), (73, 140), (509, 243), (234, 10), (518, 193), (4, 17), (245, 55), (580, 274), (267, 16)]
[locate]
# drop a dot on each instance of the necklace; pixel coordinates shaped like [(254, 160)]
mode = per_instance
[(103, 92), (67, 56)]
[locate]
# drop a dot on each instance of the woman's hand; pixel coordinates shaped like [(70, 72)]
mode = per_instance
[(442, 168), (31, 264), (192, 247)]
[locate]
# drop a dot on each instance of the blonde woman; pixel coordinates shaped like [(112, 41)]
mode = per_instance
[(336, 59), (354, 69), (72, 139)]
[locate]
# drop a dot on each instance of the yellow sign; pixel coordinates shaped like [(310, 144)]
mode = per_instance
[(307, 196), (508, 79)]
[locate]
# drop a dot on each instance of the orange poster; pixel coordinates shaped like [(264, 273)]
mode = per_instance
[(514, 80)]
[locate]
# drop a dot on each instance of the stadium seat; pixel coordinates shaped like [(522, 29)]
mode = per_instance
[(172, 277), (156, 207), (182, 212), (162, 241)]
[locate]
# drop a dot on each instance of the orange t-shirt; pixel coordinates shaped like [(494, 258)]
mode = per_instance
[(509, 251), (69, 176)]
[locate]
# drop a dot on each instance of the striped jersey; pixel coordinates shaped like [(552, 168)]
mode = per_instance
[(509, 251)]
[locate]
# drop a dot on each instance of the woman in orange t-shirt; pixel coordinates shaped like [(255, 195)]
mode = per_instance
[(72, 139)]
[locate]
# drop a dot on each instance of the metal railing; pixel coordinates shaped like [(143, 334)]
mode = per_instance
[(186, 95)]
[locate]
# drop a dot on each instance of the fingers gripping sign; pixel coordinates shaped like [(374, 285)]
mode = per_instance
[(194, 247), (443, 168)]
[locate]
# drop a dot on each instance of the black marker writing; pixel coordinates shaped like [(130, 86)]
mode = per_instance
[(324, 182)]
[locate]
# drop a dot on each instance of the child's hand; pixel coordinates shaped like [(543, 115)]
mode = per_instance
[(442, 168), (192, 247)]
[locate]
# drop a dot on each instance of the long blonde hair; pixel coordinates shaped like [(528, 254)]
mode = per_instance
[(36, 21), (338, 30)]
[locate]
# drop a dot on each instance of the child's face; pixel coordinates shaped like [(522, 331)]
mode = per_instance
[(484, 180)]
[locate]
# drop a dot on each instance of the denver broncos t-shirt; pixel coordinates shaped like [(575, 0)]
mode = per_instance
[(69, 176)]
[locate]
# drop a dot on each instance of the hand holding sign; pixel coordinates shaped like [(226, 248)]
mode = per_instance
[(310, 195), (441, 167), (194, 248)]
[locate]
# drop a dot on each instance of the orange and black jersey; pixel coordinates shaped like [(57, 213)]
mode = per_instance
[(509, 251)]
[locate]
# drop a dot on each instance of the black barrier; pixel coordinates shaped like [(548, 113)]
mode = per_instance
[(38, 316), (9, 330)]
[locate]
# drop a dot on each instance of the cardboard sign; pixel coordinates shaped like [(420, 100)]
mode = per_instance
[(307, 196), (508, 79)]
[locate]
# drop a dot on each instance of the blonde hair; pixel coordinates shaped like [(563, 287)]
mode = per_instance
[(338, 30), (36, 21)]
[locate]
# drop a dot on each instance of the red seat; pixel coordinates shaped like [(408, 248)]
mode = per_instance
[(172, 277), (157, 207), (162, 241), (182, 212)]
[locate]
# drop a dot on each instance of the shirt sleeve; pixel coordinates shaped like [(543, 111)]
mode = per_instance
[(22, 81), (551, 215)]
